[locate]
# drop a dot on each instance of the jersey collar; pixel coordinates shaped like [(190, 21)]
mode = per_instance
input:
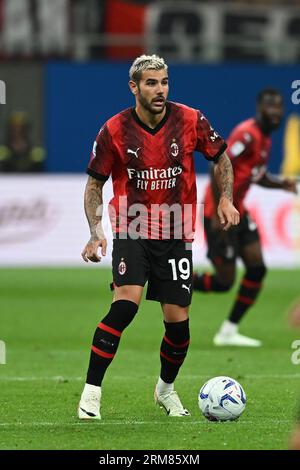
[(159, 125)]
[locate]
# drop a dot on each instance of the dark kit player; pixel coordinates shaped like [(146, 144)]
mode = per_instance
[(249, 147), (148, 150)]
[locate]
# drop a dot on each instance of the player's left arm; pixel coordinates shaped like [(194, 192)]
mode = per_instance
[(93, 206), (275, 182), (223, 174), (211, 144)]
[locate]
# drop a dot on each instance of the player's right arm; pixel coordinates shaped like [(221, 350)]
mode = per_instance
[(93, 206), (99, 169)]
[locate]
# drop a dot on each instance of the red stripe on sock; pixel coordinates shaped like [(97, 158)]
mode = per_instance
[(207, 281), (102, 353), (182, 345), (180, 361), (251, 284), (245, 300), (114, 332)]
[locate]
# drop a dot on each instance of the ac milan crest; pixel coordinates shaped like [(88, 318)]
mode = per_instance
[(122, 267), (174, 149)]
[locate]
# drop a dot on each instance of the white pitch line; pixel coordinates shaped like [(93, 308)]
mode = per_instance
[(121, 377), (266, 422), (98, 423), (57, 378)]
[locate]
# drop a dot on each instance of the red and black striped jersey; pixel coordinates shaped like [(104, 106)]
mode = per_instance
[(153, 168), (249, 152)]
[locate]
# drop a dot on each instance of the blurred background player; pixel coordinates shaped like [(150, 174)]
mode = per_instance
[(249, 147), (17, 153), (149, 152)]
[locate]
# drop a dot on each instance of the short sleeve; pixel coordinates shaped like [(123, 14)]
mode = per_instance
[(102, 156), (209, 142), (240, 144)]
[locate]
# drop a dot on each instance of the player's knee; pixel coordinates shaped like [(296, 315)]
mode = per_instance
[(224, 284), (178, 331), (225, 287), (175, 313), (130, 293), (256, 273), (121, 314)]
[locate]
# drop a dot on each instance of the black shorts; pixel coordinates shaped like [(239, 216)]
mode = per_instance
[(226, 246), (166, 265)]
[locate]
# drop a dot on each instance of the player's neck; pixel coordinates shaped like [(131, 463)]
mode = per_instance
[(150, 119)]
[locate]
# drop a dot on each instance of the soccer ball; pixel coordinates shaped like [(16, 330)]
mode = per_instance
[(222, 399)]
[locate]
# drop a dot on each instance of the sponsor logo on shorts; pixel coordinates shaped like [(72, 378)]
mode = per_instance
[(229, 253), (122, 267), (184, 286)]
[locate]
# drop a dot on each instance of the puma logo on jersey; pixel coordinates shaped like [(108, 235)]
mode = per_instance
[(134, 152), (186, 287)]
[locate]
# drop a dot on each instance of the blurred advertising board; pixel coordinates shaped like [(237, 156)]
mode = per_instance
[(42, 222)]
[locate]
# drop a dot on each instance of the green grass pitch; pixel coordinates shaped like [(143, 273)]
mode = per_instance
[(47, 320)]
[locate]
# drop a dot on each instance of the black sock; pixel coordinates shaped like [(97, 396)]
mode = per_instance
[(249, 289), (173, 349), (107, 337), (207, 282)]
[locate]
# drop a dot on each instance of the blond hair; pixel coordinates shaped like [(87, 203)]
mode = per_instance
[(146, 62)]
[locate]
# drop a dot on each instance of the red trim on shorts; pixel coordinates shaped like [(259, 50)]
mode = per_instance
[(102, 353), (251, 284), (170, 359), (207, 281), (114, 332), (245, 300), (182, 345)]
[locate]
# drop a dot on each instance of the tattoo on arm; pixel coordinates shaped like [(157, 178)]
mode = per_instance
[(214, 187), (93, 206), (224, 176)]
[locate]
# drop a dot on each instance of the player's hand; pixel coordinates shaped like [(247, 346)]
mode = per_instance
[(90, 251), (227, 213), (294, 314), (295, 439), (215, 223), (290, 185)]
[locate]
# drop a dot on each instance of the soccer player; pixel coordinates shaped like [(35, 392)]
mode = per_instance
[(248, 148), (294, 317), (148, 150)]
